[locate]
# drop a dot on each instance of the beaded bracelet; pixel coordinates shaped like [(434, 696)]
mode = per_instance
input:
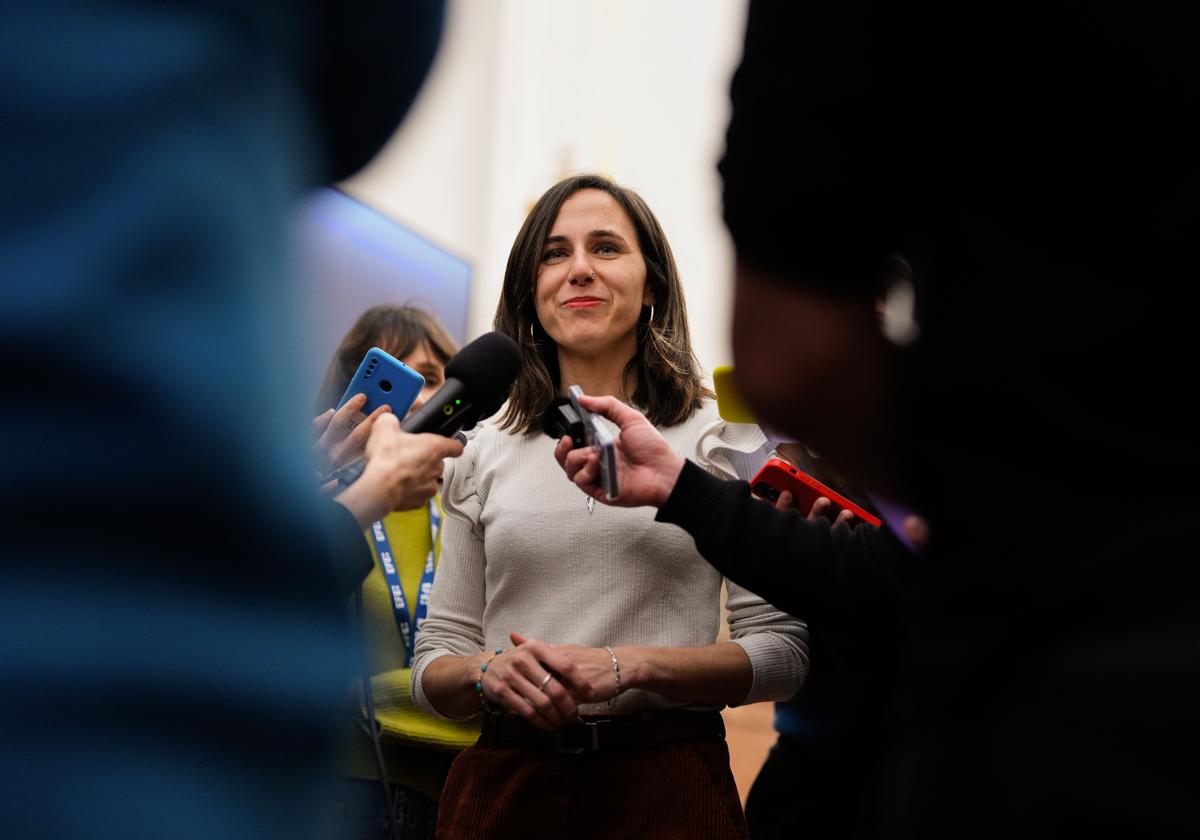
[(616, 672), (479, 682)]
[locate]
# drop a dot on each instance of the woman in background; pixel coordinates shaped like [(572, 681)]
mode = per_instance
[(590, 633), (416, 750)]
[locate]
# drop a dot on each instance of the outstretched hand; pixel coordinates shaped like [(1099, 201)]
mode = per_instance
[(402, 471), (338, 437), (822, 508), (647, 466)]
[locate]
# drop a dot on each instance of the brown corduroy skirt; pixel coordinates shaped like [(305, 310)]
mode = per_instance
[(682, 789)]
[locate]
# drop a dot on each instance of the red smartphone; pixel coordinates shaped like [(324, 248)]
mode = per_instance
[(778, 475)]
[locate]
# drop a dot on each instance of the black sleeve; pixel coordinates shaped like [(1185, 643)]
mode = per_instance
[(348, 551), (844, 579)]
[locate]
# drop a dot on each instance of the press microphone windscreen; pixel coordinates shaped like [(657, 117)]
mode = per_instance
[(487, 366)]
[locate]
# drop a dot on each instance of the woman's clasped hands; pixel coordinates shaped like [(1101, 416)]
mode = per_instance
[(546, 683)]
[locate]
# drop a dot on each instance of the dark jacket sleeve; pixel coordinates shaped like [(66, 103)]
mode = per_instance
[(348, 551), (844, 579)]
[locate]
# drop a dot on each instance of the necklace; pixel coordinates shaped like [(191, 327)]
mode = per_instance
[(591, 503)]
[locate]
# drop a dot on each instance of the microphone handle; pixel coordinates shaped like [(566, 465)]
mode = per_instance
[(445, 413)]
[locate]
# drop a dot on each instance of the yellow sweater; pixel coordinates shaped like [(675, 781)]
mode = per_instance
[(417, 748)]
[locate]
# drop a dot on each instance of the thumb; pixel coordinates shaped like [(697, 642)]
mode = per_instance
[(612, 408), (387, 420)]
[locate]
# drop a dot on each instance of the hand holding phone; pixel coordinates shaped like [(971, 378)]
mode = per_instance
[(597, 434), (777, 476), (341, 436), (384, 380)]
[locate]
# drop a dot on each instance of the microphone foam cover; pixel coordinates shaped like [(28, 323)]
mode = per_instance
[(488, 367)]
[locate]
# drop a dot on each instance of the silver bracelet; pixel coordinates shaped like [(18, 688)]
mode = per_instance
[(616, 673)]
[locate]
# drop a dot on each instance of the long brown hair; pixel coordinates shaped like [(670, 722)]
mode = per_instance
[(395, 329), (669, 388)]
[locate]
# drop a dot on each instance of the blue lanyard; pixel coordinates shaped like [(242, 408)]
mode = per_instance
[(408, 630)]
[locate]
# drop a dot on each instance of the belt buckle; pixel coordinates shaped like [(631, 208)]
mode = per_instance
[(589, 731)]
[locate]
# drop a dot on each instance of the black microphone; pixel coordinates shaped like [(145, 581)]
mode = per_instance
[(478, 379)]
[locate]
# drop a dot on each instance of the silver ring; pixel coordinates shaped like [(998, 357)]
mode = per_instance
[(542, 684)]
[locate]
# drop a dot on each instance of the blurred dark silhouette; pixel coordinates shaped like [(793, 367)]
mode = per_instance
[(1035, 163), (172, 652)]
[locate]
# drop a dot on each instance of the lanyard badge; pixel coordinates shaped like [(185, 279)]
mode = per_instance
[(408, 628)]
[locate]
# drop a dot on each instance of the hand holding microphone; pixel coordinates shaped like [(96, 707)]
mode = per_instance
[(478, 381), (401, 471)]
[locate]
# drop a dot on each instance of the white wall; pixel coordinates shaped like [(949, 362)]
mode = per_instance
[(526, 91)]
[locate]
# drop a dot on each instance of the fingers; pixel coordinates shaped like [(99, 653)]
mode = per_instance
[(561, 697), (784, 501), (320, 423), (546, 697), (363, 430), (844, 518), (613, 409), (334, 427), (384, 418), (819, 508), (409, 466), (525, 687), (355, 442), (381, 431), (554, 663), (514, 702), (583, 469), (917, 530), (562, 449), (577, 459), (343, 419), (439, 447)]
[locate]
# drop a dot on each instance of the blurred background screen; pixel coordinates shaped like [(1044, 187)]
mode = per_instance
[(352, 256)]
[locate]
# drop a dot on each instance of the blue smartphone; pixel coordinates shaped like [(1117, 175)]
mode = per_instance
[(386, 381)]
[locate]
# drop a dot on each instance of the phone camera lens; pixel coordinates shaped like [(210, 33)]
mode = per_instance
[(767, 491), (384, 385)]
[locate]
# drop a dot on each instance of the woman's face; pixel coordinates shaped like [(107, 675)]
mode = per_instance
[(424, 362), (591, 283)]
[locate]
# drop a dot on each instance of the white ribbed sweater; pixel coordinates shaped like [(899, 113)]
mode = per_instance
[(521, 551)]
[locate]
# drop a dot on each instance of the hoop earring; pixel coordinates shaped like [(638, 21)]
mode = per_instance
[(651, 321), (532, 337)]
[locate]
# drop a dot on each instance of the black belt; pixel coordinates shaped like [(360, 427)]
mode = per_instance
[(602, 733)]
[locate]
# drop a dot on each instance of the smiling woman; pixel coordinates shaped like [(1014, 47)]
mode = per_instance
[(589, 634), (591, 286), (590, 221)]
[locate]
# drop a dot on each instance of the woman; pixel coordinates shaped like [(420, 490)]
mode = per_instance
[(546, 611), (415, 750)]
